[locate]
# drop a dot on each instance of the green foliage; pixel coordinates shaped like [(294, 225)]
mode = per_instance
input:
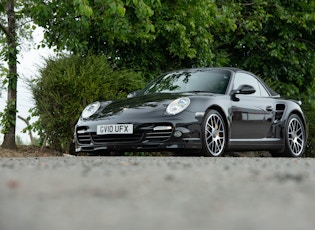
[(275, 39), (8, 116), (310, 115), (66, 85), (150, 36), (272, 38), (19, 141)]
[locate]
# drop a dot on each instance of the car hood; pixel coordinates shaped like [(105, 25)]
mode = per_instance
[(149, 105)]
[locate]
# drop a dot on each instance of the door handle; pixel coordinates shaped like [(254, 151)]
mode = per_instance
[(269, 108)]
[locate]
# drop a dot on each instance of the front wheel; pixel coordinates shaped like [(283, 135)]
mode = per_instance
[(213, 134), (295, 137)]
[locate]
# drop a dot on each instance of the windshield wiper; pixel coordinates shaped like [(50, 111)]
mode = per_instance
[(198, 91)]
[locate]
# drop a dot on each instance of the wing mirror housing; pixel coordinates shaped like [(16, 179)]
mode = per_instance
[(244, 90)]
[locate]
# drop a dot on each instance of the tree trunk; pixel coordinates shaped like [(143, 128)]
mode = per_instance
[(9, 136)]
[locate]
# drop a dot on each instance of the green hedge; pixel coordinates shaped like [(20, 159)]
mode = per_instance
[(310, 116), (67, 84)]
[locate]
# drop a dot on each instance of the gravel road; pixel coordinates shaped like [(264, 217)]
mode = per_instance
[(154, 193)]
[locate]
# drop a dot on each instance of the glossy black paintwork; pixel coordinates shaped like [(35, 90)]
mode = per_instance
[(254, 123)]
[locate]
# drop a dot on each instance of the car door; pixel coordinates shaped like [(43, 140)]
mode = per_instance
[(252, 115)]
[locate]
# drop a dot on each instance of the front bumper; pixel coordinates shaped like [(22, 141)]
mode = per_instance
[(169, 135)]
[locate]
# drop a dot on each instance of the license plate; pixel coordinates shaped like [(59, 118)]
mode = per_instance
[(115, 129)]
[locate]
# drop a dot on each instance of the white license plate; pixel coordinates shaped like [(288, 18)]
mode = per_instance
[(115, 129)]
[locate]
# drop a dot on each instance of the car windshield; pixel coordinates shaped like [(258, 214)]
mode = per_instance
[(211, 81)]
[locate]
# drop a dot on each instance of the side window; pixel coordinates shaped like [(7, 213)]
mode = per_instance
[(244, 78), (263, 91)]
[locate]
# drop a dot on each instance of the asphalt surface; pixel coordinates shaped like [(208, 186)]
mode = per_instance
[(154, 193)]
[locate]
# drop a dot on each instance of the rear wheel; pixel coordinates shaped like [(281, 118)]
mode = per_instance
[(295, 137), (213, 134)]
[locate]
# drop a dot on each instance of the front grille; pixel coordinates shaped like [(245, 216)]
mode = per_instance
[(158, 136), (135, 137), (84, 138), (158, 132)]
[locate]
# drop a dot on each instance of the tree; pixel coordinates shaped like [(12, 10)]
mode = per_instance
[(275, 39), (13, 27), (150, 36), (272, 38), (10, 52)]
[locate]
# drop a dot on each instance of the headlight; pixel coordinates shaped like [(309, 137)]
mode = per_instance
[(178, 105), (90, 109)]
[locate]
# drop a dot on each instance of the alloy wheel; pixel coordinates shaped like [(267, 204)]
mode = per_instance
[(296, 136), (215, 134)]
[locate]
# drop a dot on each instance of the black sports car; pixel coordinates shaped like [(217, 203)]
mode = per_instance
[(209, 110)]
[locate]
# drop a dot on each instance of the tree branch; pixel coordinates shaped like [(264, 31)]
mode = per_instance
[(5, 30), (29, 131)]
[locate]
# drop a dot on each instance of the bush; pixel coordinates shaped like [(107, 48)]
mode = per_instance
[(310, 116), (67, 84)]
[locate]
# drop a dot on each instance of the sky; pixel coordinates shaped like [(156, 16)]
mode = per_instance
[(29, 61)]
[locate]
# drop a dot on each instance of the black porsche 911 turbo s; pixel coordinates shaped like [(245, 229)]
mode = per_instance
[(208, 110)]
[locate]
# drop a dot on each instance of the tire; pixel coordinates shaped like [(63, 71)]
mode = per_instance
[(213, 134), (295, 137)]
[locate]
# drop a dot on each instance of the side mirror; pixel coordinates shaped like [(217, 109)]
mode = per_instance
[(245, 89), (242, 89), (133, 94)]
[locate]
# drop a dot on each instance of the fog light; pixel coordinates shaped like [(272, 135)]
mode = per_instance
[(178, 134)]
